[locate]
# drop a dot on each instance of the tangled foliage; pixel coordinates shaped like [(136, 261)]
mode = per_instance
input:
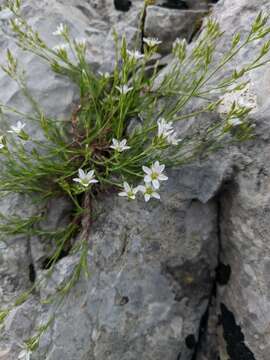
[(125, 129)]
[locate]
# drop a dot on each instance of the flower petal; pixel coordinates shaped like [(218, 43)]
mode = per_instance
[(141, 188), (147, 178), (160, 168), (127, 187), (162, 177), (155, 195), (90, 173), (147, 170), (122, 194), (147, 197), (81, 173), (155, 184)]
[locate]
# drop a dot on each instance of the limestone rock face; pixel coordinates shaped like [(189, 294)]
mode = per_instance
[(153, 267), (244, 216), (21, 257), (167, 25), (151, 273)]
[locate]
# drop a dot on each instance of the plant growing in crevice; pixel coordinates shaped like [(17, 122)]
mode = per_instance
[(125, 129)]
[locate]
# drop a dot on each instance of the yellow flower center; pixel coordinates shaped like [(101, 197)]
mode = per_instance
[(149, 191)]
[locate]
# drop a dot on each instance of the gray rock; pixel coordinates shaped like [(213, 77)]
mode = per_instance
[(152, 267), (243, 304), (14, 253), (58, 216), (143, 297), (244, 214), (18, 328), (169, 24), (57, 97), (46, 87)]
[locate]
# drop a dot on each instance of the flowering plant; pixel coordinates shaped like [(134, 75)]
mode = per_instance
[(127, 125)]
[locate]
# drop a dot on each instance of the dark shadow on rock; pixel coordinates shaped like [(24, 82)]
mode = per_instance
[(234, 337), (223, 274), (190, 341), (175, 4), (122, 5)]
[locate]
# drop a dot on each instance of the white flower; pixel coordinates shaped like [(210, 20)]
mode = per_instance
[(24, 355), (154, 174), (85, 179), (176, 43), (17, 22), (166, 131), (129, 191), (164, 128), (119, 145), (235, 122), (106, 74), (148, 191), (81, 42), (124, 89), (60, 47), (135, 55), (151, 42), (60, 30), (1, 143), (17, 129), (172, 140), (245, 98), (179, 42)]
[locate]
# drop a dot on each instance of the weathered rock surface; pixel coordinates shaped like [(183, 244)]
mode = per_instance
[(152, 271), (21, 256), (167, 25), (244, 224), (243, 292), (152, 267)]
